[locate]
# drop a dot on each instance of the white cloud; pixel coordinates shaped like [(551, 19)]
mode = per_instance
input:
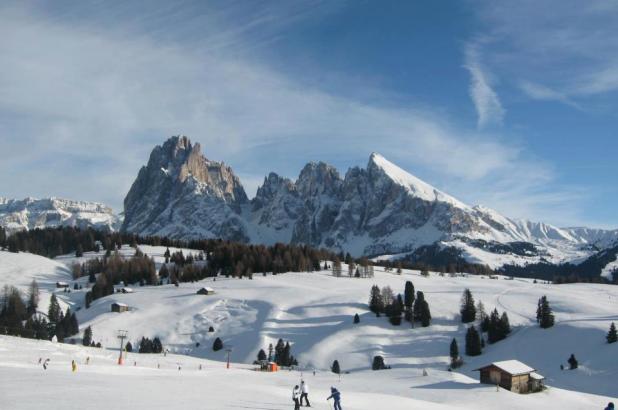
[(82, 106), (544, 93), (486, 101)]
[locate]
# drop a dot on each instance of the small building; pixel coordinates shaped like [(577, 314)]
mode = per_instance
[(119, 307), (62, 285), (512, 375), (206, 291)]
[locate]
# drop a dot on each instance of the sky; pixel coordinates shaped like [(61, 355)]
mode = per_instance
[(512, 105)]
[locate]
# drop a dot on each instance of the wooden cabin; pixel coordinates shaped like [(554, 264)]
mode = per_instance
[(206, 291), (119, 307), (62, 285), (512, 375)]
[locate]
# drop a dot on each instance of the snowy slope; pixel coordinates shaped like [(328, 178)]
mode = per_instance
[(31, 213)]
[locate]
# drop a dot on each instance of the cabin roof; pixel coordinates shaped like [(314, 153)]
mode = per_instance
[(512, 367), (120, 304), (536, 376), (207, 288)]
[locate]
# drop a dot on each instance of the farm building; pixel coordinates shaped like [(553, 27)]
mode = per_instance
[(125, 290), (119, 307), (512, 375), (206, 291), (62, 285)]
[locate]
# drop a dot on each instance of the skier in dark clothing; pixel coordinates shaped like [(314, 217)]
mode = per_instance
[(610, 406), (336, 396), (296, 397)]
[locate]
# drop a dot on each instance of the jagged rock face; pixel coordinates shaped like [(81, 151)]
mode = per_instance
[(376, 210), (30, 213), (180, 193)]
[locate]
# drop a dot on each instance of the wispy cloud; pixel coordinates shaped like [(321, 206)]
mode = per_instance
[(83, 103), (486, 101), (544, 93)]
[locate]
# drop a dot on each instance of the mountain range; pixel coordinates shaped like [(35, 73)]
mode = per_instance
[(380, 210)]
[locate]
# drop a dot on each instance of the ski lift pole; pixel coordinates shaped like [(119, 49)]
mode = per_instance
[(228, 357), (122, 334)]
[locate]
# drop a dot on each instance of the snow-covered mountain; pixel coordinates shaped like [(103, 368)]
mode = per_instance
[(377, 210), (31, 213)]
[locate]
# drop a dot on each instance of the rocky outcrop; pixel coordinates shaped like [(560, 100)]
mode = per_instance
[(376, 210), (182, 194)]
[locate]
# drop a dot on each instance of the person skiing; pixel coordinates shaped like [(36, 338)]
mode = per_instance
[(296, 397), (45, 364), (304, 393), (73, 366), (610, 406), (336, 396)]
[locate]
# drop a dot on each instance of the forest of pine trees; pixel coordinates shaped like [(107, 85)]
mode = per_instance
[(383, 301), (147, 345)]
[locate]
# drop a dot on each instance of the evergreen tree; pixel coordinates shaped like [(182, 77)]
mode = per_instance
[(217, 345), (53, 313), (33, 298), (87, 340), (396, 310), (270, 350), (485, 323), (505, 325), (612, 336), (573, 362), (378, 363), (335, 367), (286, 359), (454, 354), (356, 318), (468, 309), (421, 309), (408, 298), (480, 311), (279, 348), (498, 328), (128, 347), (79, 251), (376, 304), (473, 342), (157, 346), (544, 315), (261, 355)]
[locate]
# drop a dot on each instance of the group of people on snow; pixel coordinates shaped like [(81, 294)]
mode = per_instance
[(302, 392)]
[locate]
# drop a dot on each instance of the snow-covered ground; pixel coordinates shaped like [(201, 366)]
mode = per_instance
[(314, 312)]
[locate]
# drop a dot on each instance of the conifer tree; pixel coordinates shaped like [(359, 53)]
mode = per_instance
[(53, 313), (376, 304), (87, 340), (454, 354), (335, 367), (612, 336), (467, 310), (217, 345), (33, 298), (356, 318), (494, 333), (480, 311), (573, 364), (128, 347), (544, 315), (408, 298), (378, 363), (473, 342), (505, 325), (261, 355)]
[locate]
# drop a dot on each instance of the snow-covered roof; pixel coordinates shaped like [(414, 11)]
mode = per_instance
[(207, 289), (120, 304), (126, 289), (536, 376), (512, 367)]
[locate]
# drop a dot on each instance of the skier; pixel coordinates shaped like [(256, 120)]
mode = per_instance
[(73, 366), (610, 406), (88, 360), (296, 397), (45, 364), (304, 393), (336, 396)]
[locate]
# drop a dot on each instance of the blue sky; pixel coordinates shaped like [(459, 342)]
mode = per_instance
[(512, 105)]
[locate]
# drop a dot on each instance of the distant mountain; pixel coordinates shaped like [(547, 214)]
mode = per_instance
[(31, 213), (377, 210)]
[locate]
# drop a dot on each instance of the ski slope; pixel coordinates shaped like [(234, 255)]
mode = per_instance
[(314, 311), (155, 382)]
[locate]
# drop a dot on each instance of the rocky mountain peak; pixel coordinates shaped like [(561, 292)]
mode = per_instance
[(317, 178)]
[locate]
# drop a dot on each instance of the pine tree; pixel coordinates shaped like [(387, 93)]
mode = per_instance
[(544, 315), (376, 304), (494, 333), (612, 336), (467, 310), (408, 297), (33, 298), (87, 340), (505, 326), (473, 342), (573, 362), (217, 345), (279, 347), (261, 355), (53, 313), (335, 367), (356, 318), (454, 354), (480, 311), (128, 347), (378, 363), (270, 350), (421, 309)]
